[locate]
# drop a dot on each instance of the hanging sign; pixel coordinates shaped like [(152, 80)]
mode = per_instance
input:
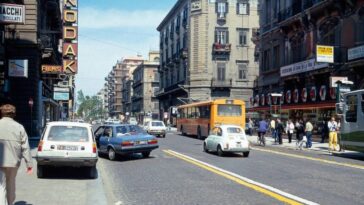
[(313, 94), (304, 95), (323, 92), (12, 14), (18, 68), (324, 54)]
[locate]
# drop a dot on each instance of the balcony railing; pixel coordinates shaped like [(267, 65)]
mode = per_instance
[(221, 16), (227, 83), (225, 48)]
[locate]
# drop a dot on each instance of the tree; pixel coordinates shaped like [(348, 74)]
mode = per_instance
[(90, 107)]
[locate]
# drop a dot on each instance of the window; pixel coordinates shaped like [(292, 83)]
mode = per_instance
[(221, 36), (243, 8), (266, 60), (351, 114), (156, 76), (229, 110), (243, 36), (221, 7), (68, 134), (221, 67), (276, 57), (242, 71)]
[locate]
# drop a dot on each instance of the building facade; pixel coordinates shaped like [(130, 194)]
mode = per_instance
[(24, 47), (145, 86), (290, 32), (206, 51)]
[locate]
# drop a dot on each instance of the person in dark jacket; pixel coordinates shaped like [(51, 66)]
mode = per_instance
[(279, 131)]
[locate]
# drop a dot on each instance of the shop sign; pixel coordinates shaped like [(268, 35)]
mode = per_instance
[(295, 95), (51, 69), (355, 53), (313, 94), (304, 95), (324, 54), (70, 36), (18, 68), (12, 14), (60, 89), (61, 96), (323, 92), (301, 67), (288, 96)]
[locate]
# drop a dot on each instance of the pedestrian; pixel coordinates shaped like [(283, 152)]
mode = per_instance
[(279, 131), (272, 126), (14, 146), (299, 134), (290, 130), (262, 129), (308, 132), (333, 128), (250, 126), (324, 131)]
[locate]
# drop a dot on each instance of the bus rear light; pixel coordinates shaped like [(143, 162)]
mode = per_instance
[(40, 146)]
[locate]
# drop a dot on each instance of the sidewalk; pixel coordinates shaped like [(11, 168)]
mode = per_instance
[(316, 146)]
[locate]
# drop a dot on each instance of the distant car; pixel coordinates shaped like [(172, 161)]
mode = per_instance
[(227, 138), (156, 127), (133, 121), (123, 139), (67, 144)]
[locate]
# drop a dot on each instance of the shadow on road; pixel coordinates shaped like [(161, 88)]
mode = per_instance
[(355, 156), (67, 173), (21, 203)]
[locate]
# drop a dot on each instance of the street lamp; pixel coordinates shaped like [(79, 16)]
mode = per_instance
[(280, 102)]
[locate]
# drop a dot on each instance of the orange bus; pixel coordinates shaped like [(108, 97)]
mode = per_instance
[(198, 118)]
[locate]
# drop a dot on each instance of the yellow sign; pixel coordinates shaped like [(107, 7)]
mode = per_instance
[(324, 54)]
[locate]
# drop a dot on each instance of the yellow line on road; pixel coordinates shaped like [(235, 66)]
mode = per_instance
[(235, 179), (357, 166)]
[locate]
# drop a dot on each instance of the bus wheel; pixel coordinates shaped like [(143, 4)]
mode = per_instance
[(199, 133)]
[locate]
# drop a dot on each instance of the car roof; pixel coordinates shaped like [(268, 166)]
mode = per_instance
[(155, 121), (226, 126), (68, 123)]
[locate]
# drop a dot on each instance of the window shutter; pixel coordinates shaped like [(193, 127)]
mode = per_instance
[(237, 8), (248, 9), (216, 7), (226, 7)]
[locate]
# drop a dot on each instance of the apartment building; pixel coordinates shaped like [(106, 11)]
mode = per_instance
[(206, 51), (290, 32), (145, 86)]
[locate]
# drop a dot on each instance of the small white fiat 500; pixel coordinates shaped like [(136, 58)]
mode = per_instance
[(227, 138)]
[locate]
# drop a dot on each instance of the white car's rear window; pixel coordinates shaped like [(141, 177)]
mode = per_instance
[(234, 130), (157, 124), (68, 134)]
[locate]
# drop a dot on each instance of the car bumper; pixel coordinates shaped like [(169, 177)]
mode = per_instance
[(136, 149), (240, 149), (67, 161), (162, 132)]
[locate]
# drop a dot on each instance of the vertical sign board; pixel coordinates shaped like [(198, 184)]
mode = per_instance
[(324, 54), (70, 36)]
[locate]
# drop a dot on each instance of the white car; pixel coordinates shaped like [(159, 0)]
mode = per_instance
[(156, 128), (227, 138), (67, 144), (133, 121)]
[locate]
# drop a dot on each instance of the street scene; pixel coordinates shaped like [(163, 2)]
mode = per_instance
[(181, 102)]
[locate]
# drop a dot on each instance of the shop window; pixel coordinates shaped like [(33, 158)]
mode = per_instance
[(221, 69), (351, 114)]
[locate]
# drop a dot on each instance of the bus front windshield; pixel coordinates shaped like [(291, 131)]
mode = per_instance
[(229, 110)]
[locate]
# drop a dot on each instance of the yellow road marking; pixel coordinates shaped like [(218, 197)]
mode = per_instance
[(357, 166), (237, 179)]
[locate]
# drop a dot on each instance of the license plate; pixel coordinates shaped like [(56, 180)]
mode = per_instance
[(68, 148), (140, 142)]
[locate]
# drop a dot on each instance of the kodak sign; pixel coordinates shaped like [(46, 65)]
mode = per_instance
[(70, 36)]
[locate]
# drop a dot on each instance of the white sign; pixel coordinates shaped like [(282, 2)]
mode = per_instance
[(12, 13), (301, 67), (355, 53), (334, 79), (324, 54), (195, 5), (61, 96), (18, 68), (58, 89)]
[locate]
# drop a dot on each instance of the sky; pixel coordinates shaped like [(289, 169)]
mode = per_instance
[(112, 29)]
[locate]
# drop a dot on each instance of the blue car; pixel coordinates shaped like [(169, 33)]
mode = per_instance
[(123, 139)]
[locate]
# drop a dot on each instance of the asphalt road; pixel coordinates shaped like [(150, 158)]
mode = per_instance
[(168, 177)]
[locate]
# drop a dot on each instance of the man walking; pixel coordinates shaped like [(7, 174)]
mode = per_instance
[(279, 131), (333, 127), (272, 126), (14, 146), (308, 130)]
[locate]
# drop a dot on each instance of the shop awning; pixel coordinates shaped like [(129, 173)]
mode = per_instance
[(50, 101), (307, 106)]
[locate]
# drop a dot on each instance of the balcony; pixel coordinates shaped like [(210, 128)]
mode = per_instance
[(221, 48), (221, 16), (216, 83)]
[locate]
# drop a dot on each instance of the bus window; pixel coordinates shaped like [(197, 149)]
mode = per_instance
[(229, 110), (351, 112), (205, 112), (189, 112), (197, 113)]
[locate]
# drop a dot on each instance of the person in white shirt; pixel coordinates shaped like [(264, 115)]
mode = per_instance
[(333, 128), (290, 129)]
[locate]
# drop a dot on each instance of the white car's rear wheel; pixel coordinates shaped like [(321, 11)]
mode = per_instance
[(246, 154), (219, 151), (205, 147), (92, 172), (40, 171)]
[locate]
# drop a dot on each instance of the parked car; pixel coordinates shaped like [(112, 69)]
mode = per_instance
[(156, 127), (123, 139), (67, 144), (227, 138), (133, 121)]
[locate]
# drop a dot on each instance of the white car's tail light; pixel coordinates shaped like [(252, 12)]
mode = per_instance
[(94, 147), (40, 146)]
